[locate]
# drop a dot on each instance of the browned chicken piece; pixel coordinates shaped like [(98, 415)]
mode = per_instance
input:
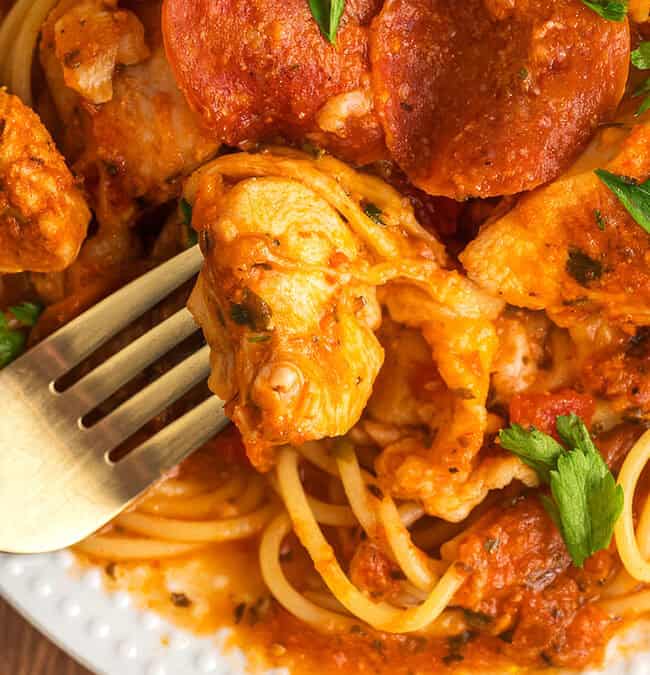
[(126, 126), (571, 248), (296, 250), (91, 40), (43, 215), (440, 361)]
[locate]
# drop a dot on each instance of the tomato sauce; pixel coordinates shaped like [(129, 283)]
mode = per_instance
[(541, 410)]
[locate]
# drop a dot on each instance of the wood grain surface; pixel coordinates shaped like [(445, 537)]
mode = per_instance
[(24, 651)]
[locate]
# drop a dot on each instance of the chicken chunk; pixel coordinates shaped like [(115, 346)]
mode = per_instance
[(126, 126), (43, 215), (289, 297), (571, 248), (91, 41)]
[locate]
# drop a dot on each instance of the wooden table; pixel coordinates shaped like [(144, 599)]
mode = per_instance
[(24, 651)]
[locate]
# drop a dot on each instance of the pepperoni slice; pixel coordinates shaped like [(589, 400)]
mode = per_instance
[(256, 69), (493, 97)]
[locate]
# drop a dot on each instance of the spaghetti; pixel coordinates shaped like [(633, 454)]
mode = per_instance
[(18, 37), (369, 375)]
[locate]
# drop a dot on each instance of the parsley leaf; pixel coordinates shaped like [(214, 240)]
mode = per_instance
[(634, 196), (264, 337), (185, 208), (27, 312), (589, 503), (646, 101), (583, 268), (640, 57), (612, 10), (12, 343), (533, 447), (600, 220), (373, 212), (586, 502), (328, 15), (186, 211), (574, 433), (252, 311)]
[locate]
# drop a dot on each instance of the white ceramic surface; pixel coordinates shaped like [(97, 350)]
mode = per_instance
[(106, 633)]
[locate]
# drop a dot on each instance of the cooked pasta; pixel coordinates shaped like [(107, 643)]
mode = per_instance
[(425, 292)]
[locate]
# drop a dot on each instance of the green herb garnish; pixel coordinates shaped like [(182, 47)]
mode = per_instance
[(600, 220), (583, 268), (186, 211), (539, 450), (11, 342), (640, 58), (612, 10), (13, 337), (27, 312), (586, 502), (327, 14), (259, 338), (634, 196), (252, 311), (374, 213)]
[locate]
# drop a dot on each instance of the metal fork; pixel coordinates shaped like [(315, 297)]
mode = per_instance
[(57, 481)]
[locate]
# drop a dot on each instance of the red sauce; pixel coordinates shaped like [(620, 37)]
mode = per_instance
[(523, 603), (541, 410)]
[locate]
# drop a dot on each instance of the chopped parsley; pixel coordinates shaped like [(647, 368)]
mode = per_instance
[(27, 312), (600, 220), (640, 58), (180, 600), (373, 212), (634, 196), (312, 150), (12, 335), (585, 502), (264, 337), (240, 314), (327, 14), (185, 209), (252, 311), (612, 10), (12, 344), (583, 268)]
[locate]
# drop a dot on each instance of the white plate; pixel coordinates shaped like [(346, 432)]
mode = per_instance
[(108, 635), (104, 631)]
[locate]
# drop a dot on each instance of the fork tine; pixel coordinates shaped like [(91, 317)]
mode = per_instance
[(116, 427), (171, 445), (107, 378), (82, 336)]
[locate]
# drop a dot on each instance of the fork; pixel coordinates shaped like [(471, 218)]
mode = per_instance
[(58, 483)]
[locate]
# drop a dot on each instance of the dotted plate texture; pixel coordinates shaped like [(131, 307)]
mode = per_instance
[(110, 636)]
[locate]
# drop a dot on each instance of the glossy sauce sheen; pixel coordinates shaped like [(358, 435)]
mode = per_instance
[(475, 98), (520, 570), (256, 69), (493, 97)]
